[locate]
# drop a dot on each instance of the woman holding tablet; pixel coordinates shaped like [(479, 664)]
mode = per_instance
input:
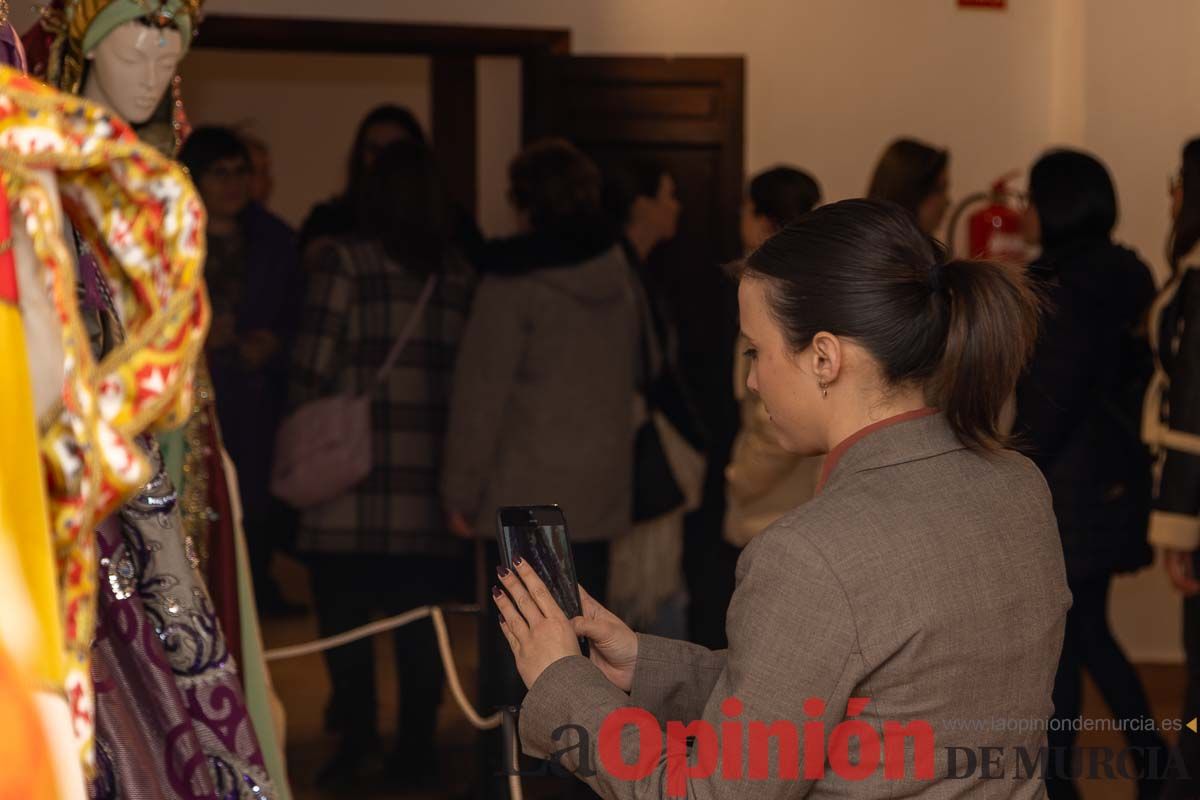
[(898, 634)]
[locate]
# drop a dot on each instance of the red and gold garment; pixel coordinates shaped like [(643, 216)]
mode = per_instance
[(142, 219)]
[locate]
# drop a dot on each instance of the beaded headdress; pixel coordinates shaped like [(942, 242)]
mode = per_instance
[(72, 28)]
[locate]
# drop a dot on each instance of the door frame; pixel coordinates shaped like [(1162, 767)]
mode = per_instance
[(727, 71), (452, 49), (313, 35)]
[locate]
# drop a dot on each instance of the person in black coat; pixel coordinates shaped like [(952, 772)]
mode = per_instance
[(1078, 412), (1172, 426)]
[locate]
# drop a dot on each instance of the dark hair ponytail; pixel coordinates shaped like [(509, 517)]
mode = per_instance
[(963, 330), (992, 329)]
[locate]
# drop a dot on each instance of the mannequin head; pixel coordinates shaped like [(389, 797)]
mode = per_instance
[(131, 68)]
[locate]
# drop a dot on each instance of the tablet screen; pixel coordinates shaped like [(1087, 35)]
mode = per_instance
[(548, 551)]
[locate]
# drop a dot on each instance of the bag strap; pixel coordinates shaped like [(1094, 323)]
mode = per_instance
[(410, 328), (647, 338)]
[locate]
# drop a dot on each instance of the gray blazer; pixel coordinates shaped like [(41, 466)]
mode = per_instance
[(542, 406), (924, 576)]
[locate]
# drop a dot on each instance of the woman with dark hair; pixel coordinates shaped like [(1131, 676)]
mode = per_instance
[(915, 176), (381, 127), (542, 410), (363, 290), (763, 480), (641, 197), (774, 198), (1172, 427), (647, 584), (1077, 413), (923, 585)]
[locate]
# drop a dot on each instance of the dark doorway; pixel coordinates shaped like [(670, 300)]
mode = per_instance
[(687, 115)]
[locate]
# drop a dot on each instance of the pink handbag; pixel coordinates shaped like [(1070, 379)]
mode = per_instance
[(323, 448)]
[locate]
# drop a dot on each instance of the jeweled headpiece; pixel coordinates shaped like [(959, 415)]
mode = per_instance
[(72, 28)]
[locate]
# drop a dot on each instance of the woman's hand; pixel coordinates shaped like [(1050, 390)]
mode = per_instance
[(537, 630), (614, 646), (1180, 570)]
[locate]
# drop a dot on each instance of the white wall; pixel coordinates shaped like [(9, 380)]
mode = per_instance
[(828, 81), (498, 88), (305, 107), (1143, 81)]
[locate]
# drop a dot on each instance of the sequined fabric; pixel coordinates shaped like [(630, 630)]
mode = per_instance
[(171, 721)]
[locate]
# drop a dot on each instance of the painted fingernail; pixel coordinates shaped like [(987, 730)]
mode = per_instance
[(497, 591), (518, 561), (502, 571)]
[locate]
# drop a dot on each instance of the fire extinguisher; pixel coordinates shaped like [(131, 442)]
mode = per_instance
[(995, 231)]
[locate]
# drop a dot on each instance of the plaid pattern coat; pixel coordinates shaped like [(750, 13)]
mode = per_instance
[(356, 303)]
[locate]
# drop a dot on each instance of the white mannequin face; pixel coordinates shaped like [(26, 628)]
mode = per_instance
[(131, 68)]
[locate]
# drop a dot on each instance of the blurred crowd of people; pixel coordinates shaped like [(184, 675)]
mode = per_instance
[(545, 370)]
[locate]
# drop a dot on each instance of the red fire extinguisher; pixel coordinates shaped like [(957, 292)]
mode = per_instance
[(995, 231)]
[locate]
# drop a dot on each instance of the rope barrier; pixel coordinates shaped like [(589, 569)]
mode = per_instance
[(438, 618)]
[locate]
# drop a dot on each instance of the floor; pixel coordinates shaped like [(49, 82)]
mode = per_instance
[(304, 689)]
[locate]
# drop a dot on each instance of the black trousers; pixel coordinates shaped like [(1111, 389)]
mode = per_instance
[(348, 589), (1188, 787), (1089, 645), (271, 531), (500, 685)]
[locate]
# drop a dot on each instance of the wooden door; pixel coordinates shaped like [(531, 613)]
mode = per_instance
[(687, 115)]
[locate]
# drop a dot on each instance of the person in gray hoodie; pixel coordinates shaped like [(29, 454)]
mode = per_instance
[(541, 410)]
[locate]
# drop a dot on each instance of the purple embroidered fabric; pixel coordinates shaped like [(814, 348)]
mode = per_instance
[(171, 721)]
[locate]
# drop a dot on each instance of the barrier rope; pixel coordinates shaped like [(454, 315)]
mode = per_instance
[(437, 615)]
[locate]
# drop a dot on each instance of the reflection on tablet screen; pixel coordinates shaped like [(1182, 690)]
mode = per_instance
[(546, 549)]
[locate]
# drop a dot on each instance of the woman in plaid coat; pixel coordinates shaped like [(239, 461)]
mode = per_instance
[(381, 546)]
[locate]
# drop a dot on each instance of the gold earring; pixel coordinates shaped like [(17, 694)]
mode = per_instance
[(824, 389)]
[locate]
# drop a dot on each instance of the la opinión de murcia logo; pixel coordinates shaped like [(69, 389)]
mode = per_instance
[(854, 750), (754, 739)]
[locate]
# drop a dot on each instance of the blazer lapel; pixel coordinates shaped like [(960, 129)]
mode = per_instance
[(910, 439)]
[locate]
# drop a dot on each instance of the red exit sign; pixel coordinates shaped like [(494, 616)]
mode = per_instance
[(982, 3)]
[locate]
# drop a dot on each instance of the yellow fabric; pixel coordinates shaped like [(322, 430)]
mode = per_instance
[(24, 517), (26, 768)]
